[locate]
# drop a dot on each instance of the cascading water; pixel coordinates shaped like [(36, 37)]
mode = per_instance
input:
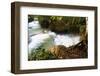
[(48, 39)]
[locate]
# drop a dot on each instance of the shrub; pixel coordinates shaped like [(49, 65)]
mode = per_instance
[(41, 54)]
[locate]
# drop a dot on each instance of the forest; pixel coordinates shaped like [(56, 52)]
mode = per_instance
[(61, 25)]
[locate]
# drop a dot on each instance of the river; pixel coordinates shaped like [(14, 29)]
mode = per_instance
[(48, 39)]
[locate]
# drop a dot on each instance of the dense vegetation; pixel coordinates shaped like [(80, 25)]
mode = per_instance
[(59, 25), (41, 54)]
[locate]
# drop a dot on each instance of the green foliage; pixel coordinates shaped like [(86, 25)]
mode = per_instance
[(41, 54), (63, 24), (67, 24), (60, 24)]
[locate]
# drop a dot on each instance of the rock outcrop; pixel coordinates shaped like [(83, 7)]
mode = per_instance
[(76, 51)]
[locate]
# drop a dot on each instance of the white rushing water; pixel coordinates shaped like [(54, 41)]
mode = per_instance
[(38, 38), (66, 40)]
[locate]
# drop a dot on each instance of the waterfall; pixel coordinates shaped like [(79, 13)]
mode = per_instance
[(48, 39)]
